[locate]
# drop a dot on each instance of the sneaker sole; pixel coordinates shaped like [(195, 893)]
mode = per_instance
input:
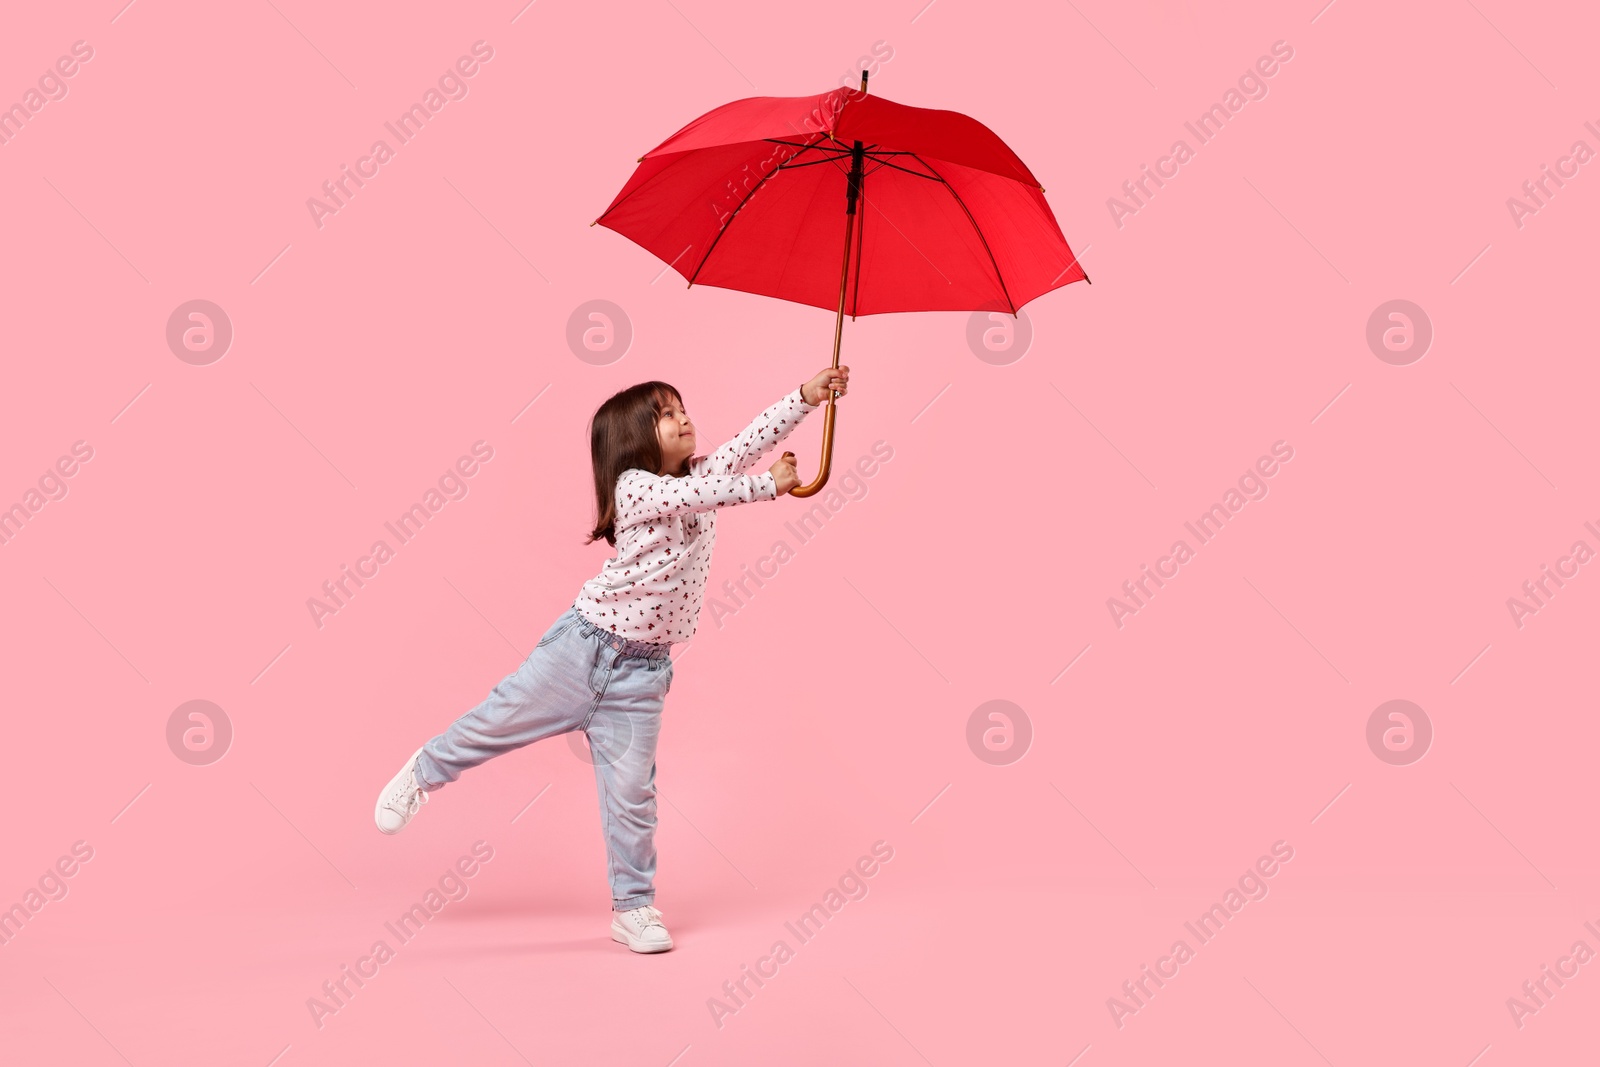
[(638, 946), (378, 807)]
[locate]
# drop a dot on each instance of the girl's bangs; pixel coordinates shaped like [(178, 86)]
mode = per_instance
[(662, 397)]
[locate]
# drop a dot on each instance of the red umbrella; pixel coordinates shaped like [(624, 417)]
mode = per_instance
[(748, 196)]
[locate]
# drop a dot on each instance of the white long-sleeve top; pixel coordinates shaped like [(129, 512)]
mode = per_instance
[(666, 526)]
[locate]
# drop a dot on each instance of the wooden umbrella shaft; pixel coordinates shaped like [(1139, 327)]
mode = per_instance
[(852, 193)]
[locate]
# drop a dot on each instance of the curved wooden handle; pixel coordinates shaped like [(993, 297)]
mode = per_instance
[(827, 451)]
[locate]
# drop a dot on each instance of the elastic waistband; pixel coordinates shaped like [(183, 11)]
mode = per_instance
[(639, 649)]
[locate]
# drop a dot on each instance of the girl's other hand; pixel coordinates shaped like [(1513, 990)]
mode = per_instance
[(784, 473), (827, 380)]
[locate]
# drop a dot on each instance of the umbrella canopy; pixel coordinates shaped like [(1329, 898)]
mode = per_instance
[(749, 197)]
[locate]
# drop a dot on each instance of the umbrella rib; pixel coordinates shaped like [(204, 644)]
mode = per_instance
[(975, 229), (811, 163), (885, 163), (839, 154), (844, 153), (814, 144), (735, 214)]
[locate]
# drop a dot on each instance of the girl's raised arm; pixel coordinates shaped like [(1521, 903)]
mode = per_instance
[(642, 496), (768, 428)]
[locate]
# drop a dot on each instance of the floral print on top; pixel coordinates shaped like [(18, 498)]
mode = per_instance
[(666, 526)]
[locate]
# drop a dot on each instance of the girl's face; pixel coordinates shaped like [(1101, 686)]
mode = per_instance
[(676, 434)]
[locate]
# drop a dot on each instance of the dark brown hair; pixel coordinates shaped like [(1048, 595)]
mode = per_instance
[(622, 435)]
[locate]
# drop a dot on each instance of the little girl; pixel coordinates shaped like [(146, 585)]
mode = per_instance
[(603, 665)]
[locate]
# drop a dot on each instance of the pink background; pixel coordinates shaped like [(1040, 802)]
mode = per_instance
[(1230, 312)]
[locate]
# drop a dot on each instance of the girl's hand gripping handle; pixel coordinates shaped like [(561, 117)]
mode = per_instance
[(783, 473)]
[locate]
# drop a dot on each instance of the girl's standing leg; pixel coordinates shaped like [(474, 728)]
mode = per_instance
[(622, 739), (548, 694)]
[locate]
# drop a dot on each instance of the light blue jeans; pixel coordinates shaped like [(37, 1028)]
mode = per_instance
[(579, 677)]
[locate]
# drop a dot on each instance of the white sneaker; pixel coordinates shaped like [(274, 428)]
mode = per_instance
[(640, 929), (401, 798)]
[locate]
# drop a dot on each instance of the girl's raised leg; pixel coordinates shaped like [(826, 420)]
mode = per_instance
[(549, 694)]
